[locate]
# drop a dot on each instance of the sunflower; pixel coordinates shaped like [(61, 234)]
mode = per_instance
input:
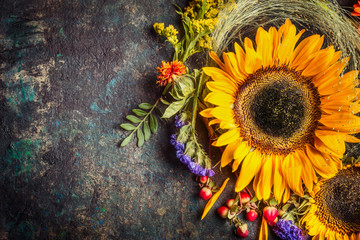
[(335, 212), (284, 110)]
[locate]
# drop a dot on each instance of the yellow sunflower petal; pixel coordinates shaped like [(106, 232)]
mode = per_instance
[(319, 63), (279, 181), (240, 56), (227, 124), (252, 58), (286, 194), (228, 137), (343, 122), (331, 74), (266, 180), (287, 45), (263, 235), (228, 154), (250, 166), (349, 80), (292, 169), (219, 75), (213, 199), (306, 48), (331, 107), (221, 87), (264, 49), (220, 98), (214, 121), (308, 174), (215, 57), (328, 83), (232, 66), (351, 139), (274, 42), (240, 153), (331, 144), (321, 165), (223, 113), (207, 113)]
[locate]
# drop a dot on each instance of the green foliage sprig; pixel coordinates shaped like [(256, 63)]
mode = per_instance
[(143, 127), (181, 95)]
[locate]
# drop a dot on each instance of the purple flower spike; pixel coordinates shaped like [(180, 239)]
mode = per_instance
[(287, 231), (185, 159), (180, 146), (194, 168), (179, 154), (210, 172), (178, 122), (173, 140), (202, 172)]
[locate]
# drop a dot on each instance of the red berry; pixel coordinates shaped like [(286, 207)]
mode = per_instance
[(245, 198), (230, 202), (242, 231), (273, 222), (223, 211), (203, 179), (251, 215), (205, 193), (270, 213)]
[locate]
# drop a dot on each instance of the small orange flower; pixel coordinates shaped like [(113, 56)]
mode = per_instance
[(356, 11), (168, 70)]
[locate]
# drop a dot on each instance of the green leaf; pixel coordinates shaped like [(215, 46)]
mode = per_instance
[(127, 126), (254, 199), (164, 101), (147, 131), (140, 136), (126, 140), (139, 112), (286, 207), (173, 108), (145, 106), (153, 123), (184, 134), (273, 202), (133, 119), (203, 10)]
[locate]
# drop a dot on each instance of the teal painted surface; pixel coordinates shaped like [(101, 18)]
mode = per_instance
[(72, 71)]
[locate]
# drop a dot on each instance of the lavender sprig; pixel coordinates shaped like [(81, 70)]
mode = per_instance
[(286, 230), (184, 154)]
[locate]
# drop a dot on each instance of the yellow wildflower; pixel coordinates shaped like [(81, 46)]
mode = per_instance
[(159, 27)]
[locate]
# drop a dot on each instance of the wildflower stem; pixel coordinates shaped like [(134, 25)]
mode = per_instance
[(196, 99)]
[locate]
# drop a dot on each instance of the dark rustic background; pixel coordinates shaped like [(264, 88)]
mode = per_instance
[(71, 70)]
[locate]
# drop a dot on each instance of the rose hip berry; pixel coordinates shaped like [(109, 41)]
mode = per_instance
[(245, 198), (205, 193), (251, 215), (203, 179), (230, 202), (273, 222), (270, 213), (242, 231), (223, 211)]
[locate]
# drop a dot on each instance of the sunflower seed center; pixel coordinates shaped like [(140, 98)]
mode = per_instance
[(277, 110)]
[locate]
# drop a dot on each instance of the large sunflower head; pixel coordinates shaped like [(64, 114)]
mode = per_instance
[(335, 213), (284, 108)]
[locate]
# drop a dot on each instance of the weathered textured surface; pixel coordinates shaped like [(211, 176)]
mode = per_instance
[(71, 71)]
